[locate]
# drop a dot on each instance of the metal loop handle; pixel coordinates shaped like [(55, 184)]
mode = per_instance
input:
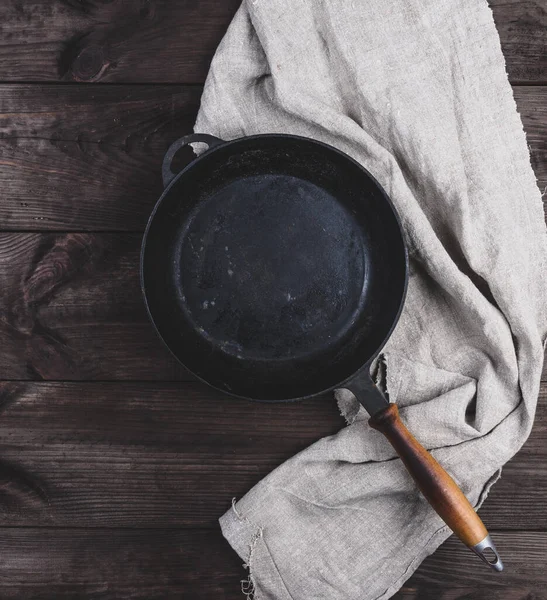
[(166, 172)]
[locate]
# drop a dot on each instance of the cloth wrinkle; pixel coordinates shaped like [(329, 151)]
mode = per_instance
[(318, 504), (272, 559)]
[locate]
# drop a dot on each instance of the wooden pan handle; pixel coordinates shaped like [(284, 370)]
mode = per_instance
[(437, 486)]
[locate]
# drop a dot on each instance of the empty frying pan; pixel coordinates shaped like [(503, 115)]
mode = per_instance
[(274, 268)]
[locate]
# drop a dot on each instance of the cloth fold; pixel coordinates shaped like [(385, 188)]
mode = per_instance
[(416, 92)]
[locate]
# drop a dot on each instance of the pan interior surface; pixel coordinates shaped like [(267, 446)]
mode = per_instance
[(274, 267), (271, 267)]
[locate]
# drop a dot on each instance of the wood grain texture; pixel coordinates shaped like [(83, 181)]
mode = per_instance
[(441, 491), (81, 158), (141, 455), (174, 455), (116, 564), (425, 592), (40, 564), (71, 308), (454, 573), (164, 41), (112, 41), (521, 25), (532, 105)]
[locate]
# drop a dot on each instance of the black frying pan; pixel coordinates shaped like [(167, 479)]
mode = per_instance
[(274, 268)]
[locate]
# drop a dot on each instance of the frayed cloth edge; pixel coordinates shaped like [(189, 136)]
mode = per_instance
[(252, 536)]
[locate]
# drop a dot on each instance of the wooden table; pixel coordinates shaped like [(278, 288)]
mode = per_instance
[(114, 463)]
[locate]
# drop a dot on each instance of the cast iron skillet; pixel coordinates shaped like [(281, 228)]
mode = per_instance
[(274, 268)]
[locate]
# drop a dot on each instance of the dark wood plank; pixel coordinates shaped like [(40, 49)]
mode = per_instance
[(425, 592), (115, 565), (43, 564), (119, 41), (532, 105), (173, 41), (521, 25), (87, 158), (71, 308), (141, 455), (174, 455), (81, 158), (454, 573)]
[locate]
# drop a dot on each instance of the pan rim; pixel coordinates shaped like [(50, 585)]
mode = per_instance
[(223, 144)]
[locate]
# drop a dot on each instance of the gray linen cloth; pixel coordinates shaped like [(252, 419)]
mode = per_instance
[(417, 92)]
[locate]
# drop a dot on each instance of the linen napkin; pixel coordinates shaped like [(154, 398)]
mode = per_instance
[(417, 92)]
